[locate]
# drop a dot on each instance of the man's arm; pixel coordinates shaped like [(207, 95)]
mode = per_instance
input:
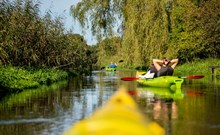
[(156, 63), (174, 62)]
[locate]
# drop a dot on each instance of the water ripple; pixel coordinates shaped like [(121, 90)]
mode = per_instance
[(38, 120)]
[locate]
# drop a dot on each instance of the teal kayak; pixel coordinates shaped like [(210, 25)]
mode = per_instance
[(171, 82)]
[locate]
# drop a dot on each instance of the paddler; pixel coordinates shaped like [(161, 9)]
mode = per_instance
[(112, 65)]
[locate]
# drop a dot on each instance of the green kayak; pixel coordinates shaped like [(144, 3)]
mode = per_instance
[(110, 69), (171, 82)]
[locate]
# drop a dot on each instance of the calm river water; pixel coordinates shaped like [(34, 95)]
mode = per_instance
[(193, 110)]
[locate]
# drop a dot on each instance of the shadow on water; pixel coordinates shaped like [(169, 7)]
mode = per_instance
[(194, 110)]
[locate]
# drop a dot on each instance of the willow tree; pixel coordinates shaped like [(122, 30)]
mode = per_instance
[(101, 14), (144, 25), (186, 29), (145, 33)]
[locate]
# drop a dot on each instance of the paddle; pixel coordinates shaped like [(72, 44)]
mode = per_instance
[(129, 78), (193, 77), (188, 77)]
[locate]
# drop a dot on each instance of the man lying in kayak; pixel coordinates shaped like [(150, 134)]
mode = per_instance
[(165, 67), (160, 68)]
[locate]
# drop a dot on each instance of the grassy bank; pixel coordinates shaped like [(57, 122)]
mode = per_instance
[(18, 78), (198, 67)]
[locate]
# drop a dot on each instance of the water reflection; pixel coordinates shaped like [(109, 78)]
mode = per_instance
[(165, 109), (161, 93), (161, 101), (23, 97)]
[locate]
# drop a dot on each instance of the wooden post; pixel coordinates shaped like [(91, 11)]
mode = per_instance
[(213, 68)]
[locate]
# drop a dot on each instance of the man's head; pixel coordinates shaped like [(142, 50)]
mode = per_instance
[(166, 61)]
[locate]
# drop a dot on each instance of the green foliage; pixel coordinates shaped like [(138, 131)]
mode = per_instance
[(187, 29), (100, 14), (27, 39), (17, 78), (109, 51), (194, 29), (199, 66), (145, 33)]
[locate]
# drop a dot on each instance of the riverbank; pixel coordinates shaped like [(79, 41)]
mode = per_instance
[(13, 79), (200, 66)]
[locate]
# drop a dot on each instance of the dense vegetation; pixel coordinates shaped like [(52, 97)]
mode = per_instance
[(33, 48), (17, 79), (187, 29), (27, 39), (198, 67)]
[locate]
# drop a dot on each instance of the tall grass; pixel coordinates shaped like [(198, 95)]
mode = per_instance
[(200, 66)]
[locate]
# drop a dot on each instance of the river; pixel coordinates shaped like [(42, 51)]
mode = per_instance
[(51, 110)]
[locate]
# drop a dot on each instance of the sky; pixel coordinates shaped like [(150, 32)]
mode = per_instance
[(62, 8)]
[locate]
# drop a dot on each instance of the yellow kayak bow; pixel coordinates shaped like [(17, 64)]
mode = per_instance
[(119, 116)]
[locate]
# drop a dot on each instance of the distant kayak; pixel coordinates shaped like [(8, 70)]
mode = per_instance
[(119, 116), (110, 69)]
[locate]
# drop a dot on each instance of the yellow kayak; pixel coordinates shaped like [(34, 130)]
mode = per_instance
[(119, 116)]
